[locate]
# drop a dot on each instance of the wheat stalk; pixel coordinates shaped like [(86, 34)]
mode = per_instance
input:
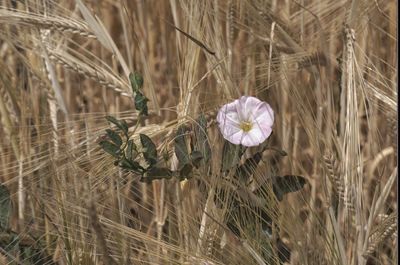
[(59, 24), (386, 228), (334, 121), (97, 74)]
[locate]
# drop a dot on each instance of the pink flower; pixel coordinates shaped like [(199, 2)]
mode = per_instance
[(247, 121)]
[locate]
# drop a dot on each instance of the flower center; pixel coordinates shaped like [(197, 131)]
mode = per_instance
[(246, 126)]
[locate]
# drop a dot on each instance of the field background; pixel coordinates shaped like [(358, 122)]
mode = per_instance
[(328, 68)]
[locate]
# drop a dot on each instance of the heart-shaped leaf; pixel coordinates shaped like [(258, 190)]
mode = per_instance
[(243, 172), (287, 184)]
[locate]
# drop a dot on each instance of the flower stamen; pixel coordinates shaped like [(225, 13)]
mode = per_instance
[(246, 126)]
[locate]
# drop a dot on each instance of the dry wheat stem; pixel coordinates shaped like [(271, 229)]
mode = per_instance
[(283, 52), (385, 229), (103, 78), (98, 230), (60, 24)]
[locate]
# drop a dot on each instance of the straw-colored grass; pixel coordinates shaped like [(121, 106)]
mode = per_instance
[(328, 68)]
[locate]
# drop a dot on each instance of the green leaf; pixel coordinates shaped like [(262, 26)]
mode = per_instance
[(181, 150), (130, 151), (200, 131), (131, 165), (158, 173), (141, 103), (150, 152), (126, 164), (136, 81), (5, 207), (233, 218), (121, 124), (279, 151), (196, 157), (114, 137), (110, 148), (185, 171), (266, 223), (230, 155), (113, 120), (140, 100), (243, 172), (283, 250), (165, 156), (124, 127), (287, 184)]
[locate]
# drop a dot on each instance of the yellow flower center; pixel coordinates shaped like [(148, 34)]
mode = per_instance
[(246, 126)]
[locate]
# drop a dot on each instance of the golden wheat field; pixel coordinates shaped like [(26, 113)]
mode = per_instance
[(112, 149)]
